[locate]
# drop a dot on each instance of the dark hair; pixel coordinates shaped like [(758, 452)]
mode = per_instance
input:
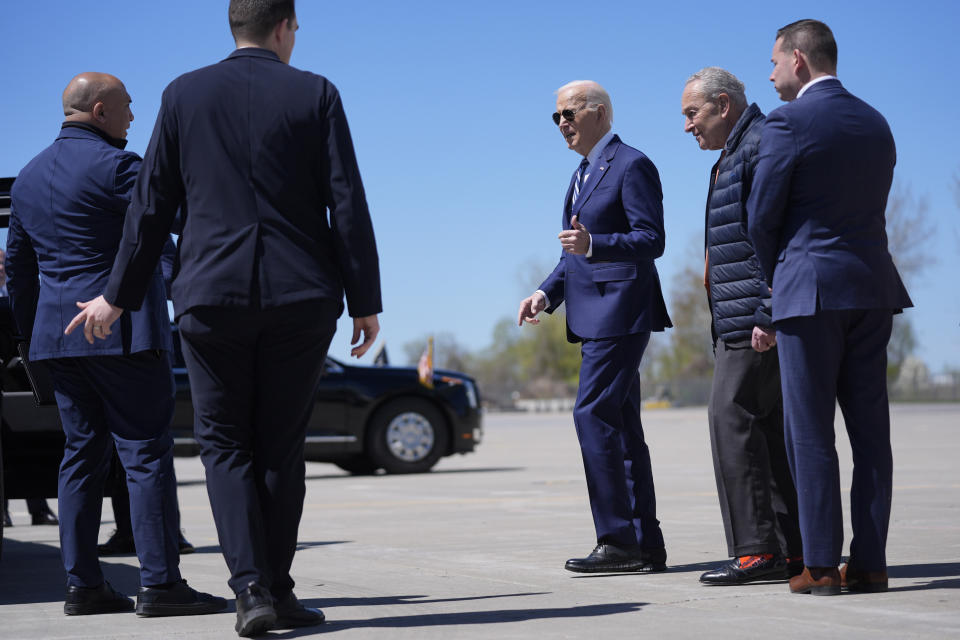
[(253, 20), (813, 38)]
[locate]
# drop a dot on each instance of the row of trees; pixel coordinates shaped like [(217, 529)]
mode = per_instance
[(678, 364)]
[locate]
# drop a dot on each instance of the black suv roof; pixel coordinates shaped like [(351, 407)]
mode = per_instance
[(5, 185)]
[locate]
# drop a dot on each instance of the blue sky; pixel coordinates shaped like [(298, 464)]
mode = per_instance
[(449, 107)]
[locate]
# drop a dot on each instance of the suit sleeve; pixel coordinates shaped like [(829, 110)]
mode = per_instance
[(167, 259), (23, 276), (767, 203), (157, 195), (643, 206), (350, 222), (763, 314), (553, 285)]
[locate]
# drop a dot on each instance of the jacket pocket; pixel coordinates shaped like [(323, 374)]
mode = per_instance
[(614, 272)]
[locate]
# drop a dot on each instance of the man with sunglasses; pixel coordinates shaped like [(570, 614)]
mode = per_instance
[(612, 233)]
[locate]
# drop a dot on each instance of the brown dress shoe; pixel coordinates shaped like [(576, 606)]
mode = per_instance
[(818, 581), (854, 579)]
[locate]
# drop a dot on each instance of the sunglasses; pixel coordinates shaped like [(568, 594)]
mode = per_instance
[(567, 114)]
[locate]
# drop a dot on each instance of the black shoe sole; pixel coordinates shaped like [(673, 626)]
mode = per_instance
[(819, 591), (158, 610), (98, 608), (860, 587), (617, 568), (257, 621), (733, 581), (653, 568)]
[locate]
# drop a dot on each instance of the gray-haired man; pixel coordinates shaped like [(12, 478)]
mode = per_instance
[(758, 500)]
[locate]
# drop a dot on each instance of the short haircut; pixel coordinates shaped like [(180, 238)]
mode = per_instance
[(253, 20), (591, 93), (712, 81), (814, 39)]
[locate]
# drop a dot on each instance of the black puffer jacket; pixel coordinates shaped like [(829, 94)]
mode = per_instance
[(739, 298)]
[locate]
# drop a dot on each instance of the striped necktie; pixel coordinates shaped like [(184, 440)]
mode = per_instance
[(581, 176)]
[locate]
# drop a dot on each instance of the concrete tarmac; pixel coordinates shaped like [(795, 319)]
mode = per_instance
[(476, 548)]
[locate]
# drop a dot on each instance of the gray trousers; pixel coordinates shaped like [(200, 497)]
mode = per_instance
[(758, 500)]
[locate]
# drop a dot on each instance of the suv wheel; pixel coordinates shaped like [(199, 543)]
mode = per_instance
[(407, 436)]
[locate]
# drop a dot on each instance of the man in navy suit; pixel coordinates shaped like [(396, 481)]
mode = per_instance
[(258, 155), (66, 219), (816, 218), (612, 233)]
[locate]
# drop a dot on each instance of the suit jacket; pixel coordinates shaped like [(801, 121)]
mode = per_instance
[(254, 153), (816, 211), (66, 218), (616, 291)]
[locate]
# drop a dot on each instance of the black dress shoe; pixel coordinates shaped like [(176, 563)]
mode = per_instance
[(184, 546), (44, 517), (84, 601), (177, 599), (255, 612), (609, 558), (854, 579), (119, 544), (747, 569), (655, 558), (291, 613)]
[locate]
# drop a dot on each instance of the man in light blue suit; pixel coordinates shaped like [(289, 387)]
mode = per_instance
[(67, 212), (816, 219), (612, 233)]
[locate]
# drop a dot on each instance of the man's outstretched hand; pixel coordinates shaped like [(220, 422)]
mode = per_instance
[(529, 308), (96, 316)]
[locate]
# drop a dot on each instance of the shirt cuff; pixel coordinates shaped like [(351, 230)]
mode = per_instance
[(546, 300), (590, 246)]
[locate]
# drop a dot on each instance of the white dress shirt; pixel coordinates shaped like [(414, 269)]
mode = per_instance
[(804, 88)]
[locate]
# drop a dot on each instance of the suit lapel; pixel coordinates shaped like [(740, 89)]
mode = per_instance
[(597, 173)]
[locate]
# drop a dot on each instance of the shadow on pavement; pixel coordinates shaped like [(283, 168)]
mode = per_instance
[(215, 548), (433, 472), (935, 570), (476, 470), (464, 618), (948, 570), (344, 474), (395, 600), (301, 545), (33, 572)]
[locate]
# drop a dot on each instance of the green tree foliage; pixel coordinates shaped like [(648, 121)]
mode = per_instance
[(908, 230), (529, 362), (686, 351), (447, 352)]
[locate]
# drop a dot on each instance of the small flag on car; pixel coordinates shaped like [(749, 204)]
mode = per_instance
[(380, 359), (425, 366)]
